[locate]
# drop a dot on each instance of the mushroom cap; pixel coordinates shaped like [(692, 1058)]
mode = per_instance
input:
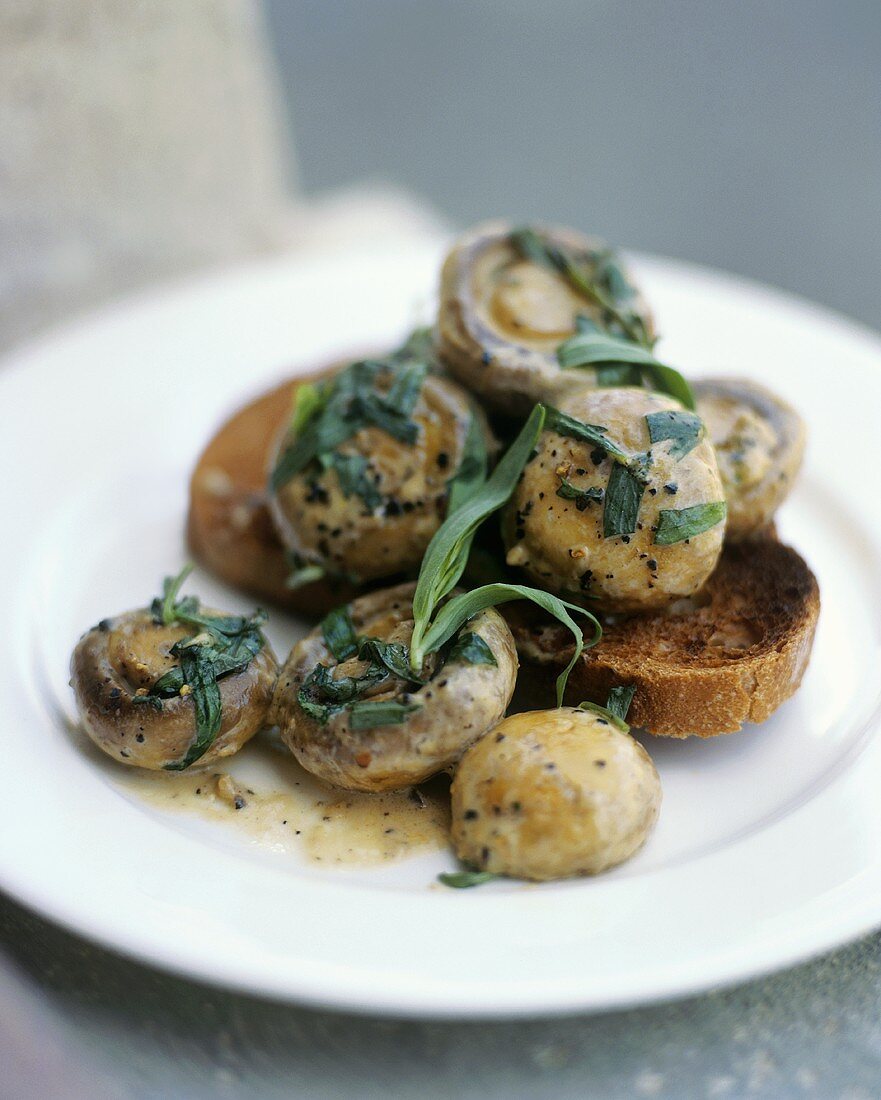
[(560, 543), (322, 525), (458, 704), (554, 793), (502, 318), (759, 441), (119, 656)]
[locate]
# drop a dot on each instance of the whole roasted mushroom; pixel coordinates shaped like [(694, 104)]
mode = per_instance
[(173, 685), (361, 478), (621, 503), (352, 712), (759, 441), (510, 297)]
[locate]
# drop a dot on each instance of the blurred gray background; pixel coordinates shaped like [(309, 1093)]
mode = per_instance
[(746, 134)]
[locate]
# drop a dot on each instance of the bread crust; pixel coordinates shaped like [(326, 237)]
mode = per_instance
[(704, 666), (229, 528)]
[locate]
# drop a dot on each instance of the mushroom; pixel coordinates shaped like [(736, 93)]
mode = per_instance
[(549, 794), (759, 441), (503, 315), (117, 671), (366, 507), (627, 533), (353, 722)]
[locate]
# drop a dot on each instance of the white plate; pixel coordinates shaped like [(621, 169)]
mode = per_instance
[(769, 843)]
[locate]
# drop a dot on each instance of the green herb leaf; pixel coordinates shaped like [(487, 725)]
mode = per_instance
[(447, 553), (582, 497), (471, 474), (594, 274), (606, 714), (223, 645), (587, 349), (329, 413), (623, 498), (351, 471), (463, 880), (201, 675), (618, 374), (392, 656), (619, 700), (418, 345), (308, 400), (321, 695), (676, 525), (339, 634), (472, 650), (563, 424), (457, 611), (369, 714), (685, 430), (170, 588)]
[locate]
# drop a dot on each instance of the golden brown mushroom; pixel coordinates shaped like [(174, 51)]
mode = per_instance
[(503, 315), (550, 794), (367, 507), (118, 665), (393, 733), (560, 525), (759, 441)]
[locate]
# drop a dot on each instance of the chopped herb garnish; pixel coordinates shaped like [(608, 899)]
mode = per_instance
[(620, 699), (473, 650), (618, 374), (471, 473), (379, 393), (596, 349), (368, 714), (394, 657), (616, 708), (563, 424), (322, 696), (623, 498), (339, 634), (582, 497), (619, 345), (684, 430), (447, 555), (596, 274), (463, 880), (222, 646), (676, 525), (351, 471), (308, 399)]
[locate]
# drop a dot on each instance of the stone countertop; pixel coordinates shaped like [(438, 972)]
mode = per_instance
[(132, 1031)]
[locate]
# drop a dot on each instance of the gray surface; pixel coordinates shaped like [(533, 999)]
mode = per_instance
[(745, 134), (812, 1032)]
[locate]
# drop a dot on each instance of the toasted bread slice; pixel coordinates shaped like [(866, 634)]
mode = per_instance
[(229, 528), (703, 666)]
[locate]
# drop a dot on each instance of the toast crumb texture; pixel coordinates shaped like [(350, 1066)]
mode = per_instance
[(701, 667)]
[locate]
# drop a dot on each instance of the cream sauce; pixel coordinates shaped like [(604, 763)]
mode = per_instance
[(273, 804)]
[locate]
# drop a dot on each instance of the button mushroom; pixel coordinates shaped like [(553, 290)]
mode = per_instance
[(352, 713), (759, 441), (173, 685), (622, 502), (550, 794), (503, 312), (362, 480)]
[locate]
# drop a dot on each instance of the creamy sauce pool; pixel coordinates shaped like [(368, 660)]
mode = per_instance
[(266, 798)]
